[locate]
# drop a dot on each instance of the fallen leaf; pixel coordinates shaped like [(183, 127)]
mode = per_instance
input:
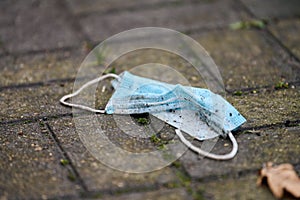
[(280, 178)]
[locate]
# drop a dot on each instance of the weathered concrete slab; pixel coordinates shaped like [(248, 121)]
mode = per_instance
[(174, 194), (250, 52), (259, 110), (97, 176), (181, 18), (40, 67), (287, 31), (270, 9), (9, 10), (233, 188), (30, 165), (37, 25), (33, 101), (248, 58), (255, 148), (85, 7)]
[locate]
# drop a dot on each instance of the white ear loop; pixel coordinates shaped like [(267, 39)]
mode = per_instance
[(207, 154), (64, 98)]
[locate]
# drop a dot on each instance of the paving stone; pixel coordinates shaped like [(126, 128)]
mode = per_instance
[(248, 58), (233, 188), (95, 175), (137, 62), (174, 194), (255, 148), (81, 7), (30, 165), (287, 31), (38, 25), (33, 101), (269, 9), (5, 61), (181, 18), (250, 52), (268, 107), (9, 10), (41, 67)]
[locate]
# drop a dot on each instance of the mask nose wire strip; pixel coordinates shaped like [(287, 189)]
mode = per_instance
[(207, 154), (64, 98)]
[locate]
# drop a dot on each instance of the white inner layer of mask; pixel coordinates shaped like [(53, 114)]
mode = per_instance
[(187, 121)]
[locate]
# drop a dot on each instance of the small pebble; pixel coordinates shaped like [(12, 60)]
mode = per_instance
[(38, 148)]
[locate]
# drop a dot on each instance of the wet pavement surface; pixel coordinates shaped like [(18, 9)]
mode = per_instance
[(42, 44)]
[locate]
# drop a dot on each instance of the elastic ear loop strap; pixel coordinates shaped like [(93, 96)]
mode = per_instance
[(64, 98), (207, 154)]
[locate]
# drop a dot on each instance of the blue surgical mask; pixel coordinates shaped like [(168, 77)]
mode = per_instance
[(198, 112)]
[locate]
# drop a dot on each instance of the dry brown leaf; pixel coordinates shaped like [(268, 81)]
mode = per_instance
[(280, 178)]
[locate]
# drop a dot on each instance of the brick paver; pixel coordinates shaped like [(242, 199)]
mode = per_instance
[(42, 44), (182, 18), (43, 27), (287, 32), (257, 147), (30, 166)]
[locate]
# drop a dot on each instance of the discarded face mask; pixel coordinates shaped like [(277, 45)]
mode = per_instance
[(198, 112)]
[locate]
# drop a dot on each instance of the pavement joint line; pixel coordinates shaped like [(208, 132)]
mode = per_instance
[(64, 197), (35, 119), (126, 190), (37, 84), (238, 174), (266, 30), (287, 123), (267, 87), (209, 178), (143, 7), (95, 43), (68, 80), (66, 156), (42, 51), (285, 48)]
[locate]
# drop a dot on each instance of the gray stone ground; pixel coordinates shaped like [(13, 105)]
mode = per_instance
[(42, 44)]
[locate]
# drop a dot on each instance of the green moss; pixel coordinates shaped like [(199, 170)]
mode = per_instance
[(176, 164), (154, 139), (64, 162), (110, 71), (71, 177), (238, 93), (173, 185), (197, 195), (162, 147), (142, 120), (185, 181), (183, 178), (281, 85), (159, 143), (248, 24)]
